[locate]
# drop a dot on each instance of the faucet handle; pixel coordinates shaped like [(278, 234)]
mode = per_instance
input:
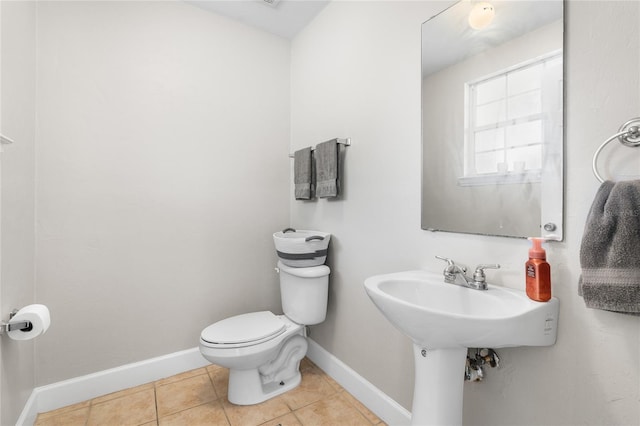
[(450, 262), (451, 265), (489, 266), (452, 269), (478, 275)]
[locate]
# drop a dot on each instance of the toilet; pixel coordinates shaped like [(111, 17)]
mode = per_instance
[(262, 350)]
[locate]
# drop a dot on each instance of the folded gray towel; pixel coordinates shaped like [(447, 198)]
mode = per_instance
[(610, 250), (303, 174), (327, 169)]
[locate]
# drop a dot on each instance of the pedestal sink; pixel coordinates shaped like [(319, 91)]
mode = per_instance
[(443, 320)]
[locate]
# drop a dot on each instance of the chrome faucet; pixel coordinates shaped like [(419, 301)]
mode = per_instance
[(455, 274)]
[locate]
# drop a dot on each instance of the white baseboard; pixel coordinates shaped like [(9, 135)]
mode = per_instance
[(72, 391), (373, 398)]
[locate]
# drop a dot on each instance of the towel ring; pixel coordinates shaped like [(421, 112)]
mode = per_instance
[(628, 135)]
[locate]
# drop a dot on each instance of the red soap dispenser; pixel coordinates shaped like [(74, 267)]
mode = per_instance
[(538, 272)]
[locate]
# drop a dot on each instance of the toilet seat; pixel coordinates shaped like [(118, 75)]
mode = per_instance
[(243, 330)]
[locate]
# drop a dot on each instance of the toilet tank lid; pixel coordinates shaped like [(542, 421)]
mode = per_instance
[(308, 272), (244, 328)]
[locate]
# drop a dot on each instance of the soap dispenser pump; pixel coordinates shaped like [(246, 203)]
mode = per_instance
[(538, 272)]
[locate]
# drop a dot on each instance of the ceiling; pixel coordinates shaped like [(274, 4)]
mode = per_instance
[(284, 18)]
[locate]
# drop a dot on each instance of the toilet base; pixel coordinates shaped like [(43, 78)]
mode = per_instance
[(256, 385), (246, 387)]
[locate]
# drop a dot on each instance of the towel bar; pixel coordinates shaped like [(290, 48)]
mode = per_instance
[(628, 134), (341, 141)]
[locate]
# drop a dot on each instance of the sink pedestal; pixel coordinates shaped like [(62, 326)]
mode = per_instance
[(439, 382)]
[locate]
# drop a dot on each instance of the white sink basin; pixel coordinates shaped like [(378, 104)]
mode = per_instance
[(443, 320), (438, 315)]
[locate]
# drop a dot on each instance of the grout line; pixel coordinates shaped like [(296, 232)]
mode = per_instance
[(155, 400), (297, 418), (218, 397), (224, 411)]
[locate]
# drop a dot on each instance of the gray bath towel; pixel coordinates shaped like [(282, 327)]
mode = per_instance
[(303, 174), (610, 250), (327, 169)]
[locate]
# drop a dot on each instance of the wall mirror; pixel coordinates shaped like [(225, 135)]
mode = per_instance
[(492, 119)]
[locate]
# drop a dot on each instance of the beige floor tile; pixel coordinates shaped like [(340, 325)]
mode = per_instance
[(330, 412), (120, 394), (212, 368), (368, 414), (333, 383), (286, 420), (306, 363), (253, 415), (181, 376), (186, 393), (77, 417), (132, 409), (313, 388), (210, 413), (63, 410), (220, 380)]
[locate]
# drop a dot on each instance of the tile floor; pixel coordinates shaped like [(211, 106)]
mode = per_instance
[(198, 397)]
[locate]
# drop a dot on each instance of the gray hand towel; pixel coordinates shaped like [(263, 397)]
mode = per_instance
[(303, 174), (610, 250), (327, 169)]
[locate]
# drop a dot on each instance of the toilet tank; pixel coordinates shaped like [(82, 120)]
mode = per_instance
[(304, 293)]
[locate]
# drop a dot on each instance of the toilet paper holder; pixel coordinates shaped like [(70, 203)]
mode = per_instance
[(10, 326)]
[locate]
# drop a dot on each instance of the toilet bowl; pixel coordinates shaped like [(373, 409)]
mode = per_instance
[(262, 350), (250, 345)]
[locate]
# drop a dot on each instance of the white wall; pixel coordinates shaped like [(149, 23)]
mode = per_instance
[(162, 173), (356, 73), (17, 99)]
